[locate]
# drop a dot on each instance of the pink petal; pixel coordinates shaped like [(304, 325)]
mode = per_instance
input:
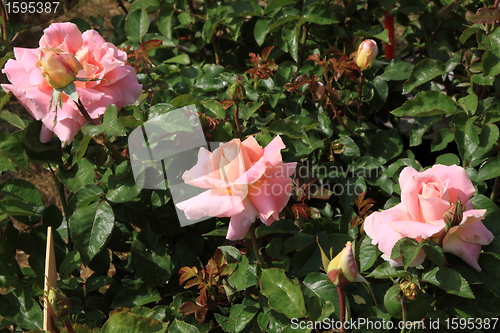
[(475, 233), (379, 228), (45, 134), (469, 252), (253, 149), (432, 208), (460, 185), (240, 223), (213, 202), (415, 229), (65, 36), (473, 215), (269, 197), (272, 152)]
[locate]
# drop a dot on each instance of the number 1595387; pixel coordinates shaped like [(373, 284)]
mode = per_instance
[(31, 7)]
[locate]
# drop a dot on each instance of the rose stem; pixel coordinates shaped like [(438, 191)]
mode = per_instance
[(64, 203), (403, 312), (254, 246), (389, 25), (5, 33), (360, 96), (341, 293), (236, 119), (84, 112)]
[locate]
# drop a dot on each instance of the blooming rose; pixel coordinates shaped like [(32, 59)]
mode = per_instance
[(114, 82), (425, 198), (367, 54), (243, 181)]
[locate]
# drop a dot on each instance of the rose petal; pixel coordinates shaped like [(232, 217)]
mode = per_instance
[(379, 228), (269, 197), (213, 202), (469, 252), (240, 223), (65, 36)]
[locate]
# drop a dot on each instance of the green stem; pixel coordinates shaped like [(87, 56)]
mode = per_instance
[(237, 119), (5, 33), (360, 96), (255, 247), (341, 294), (403, 311)]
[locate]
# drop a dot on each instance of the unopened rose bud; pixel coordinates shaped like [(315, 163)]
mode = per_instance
[(367, 53), (453, 216), (343, 269), (58, 67)]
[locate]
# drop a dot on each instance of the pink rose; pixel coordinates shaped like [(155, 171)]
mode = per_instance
[(117, 82), (425, 197), (243, 181)]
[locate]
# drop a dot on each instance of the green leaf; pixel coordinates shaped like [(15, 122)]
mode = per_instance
[(491, 58), (13, 119), (284, 296), (239, 316), (466, 136), (427, 103), (148, 5), (419, 127), (126, 322), (150, 258), (181, 59), (408, 249), (468, 103), (320, 13), (321, 287), (260, 30), (19, 307), (491, 169), (448, 159), (468, 32), (392, 147), (443, 137), (182, 327), (397, 70), (110, 124), (165, 22), (275, 5), (248, 109), (434, 252), (12, 153), (449, 280), (137, 25), (78, 176), (290, 35), (215, 109), (367, 255), (424, 71), (90, 228)]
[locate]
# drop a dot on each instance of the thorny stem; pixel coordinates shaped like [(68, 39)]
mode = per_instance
[(360, 96), (260, 261), (341, 293)]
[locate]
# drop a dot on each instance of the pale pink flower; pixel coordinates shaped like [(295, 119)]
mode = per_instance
[(116, 82), (425, 197), (367, 54), (243, 181)]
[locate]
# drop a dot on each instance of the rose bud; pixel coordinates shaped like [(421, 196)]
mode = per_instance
[(58, 67), (343, 269), (60, 305), (367, 53)]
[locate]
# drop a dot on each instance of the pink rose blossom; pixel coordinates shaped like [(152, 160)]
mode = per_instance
[(117, 82), (425, 197), (243, 181)]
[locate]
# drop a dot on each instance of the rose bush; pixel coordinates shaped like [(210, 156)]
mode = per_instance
[(113, 82), (244, 181), (425, 197)]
